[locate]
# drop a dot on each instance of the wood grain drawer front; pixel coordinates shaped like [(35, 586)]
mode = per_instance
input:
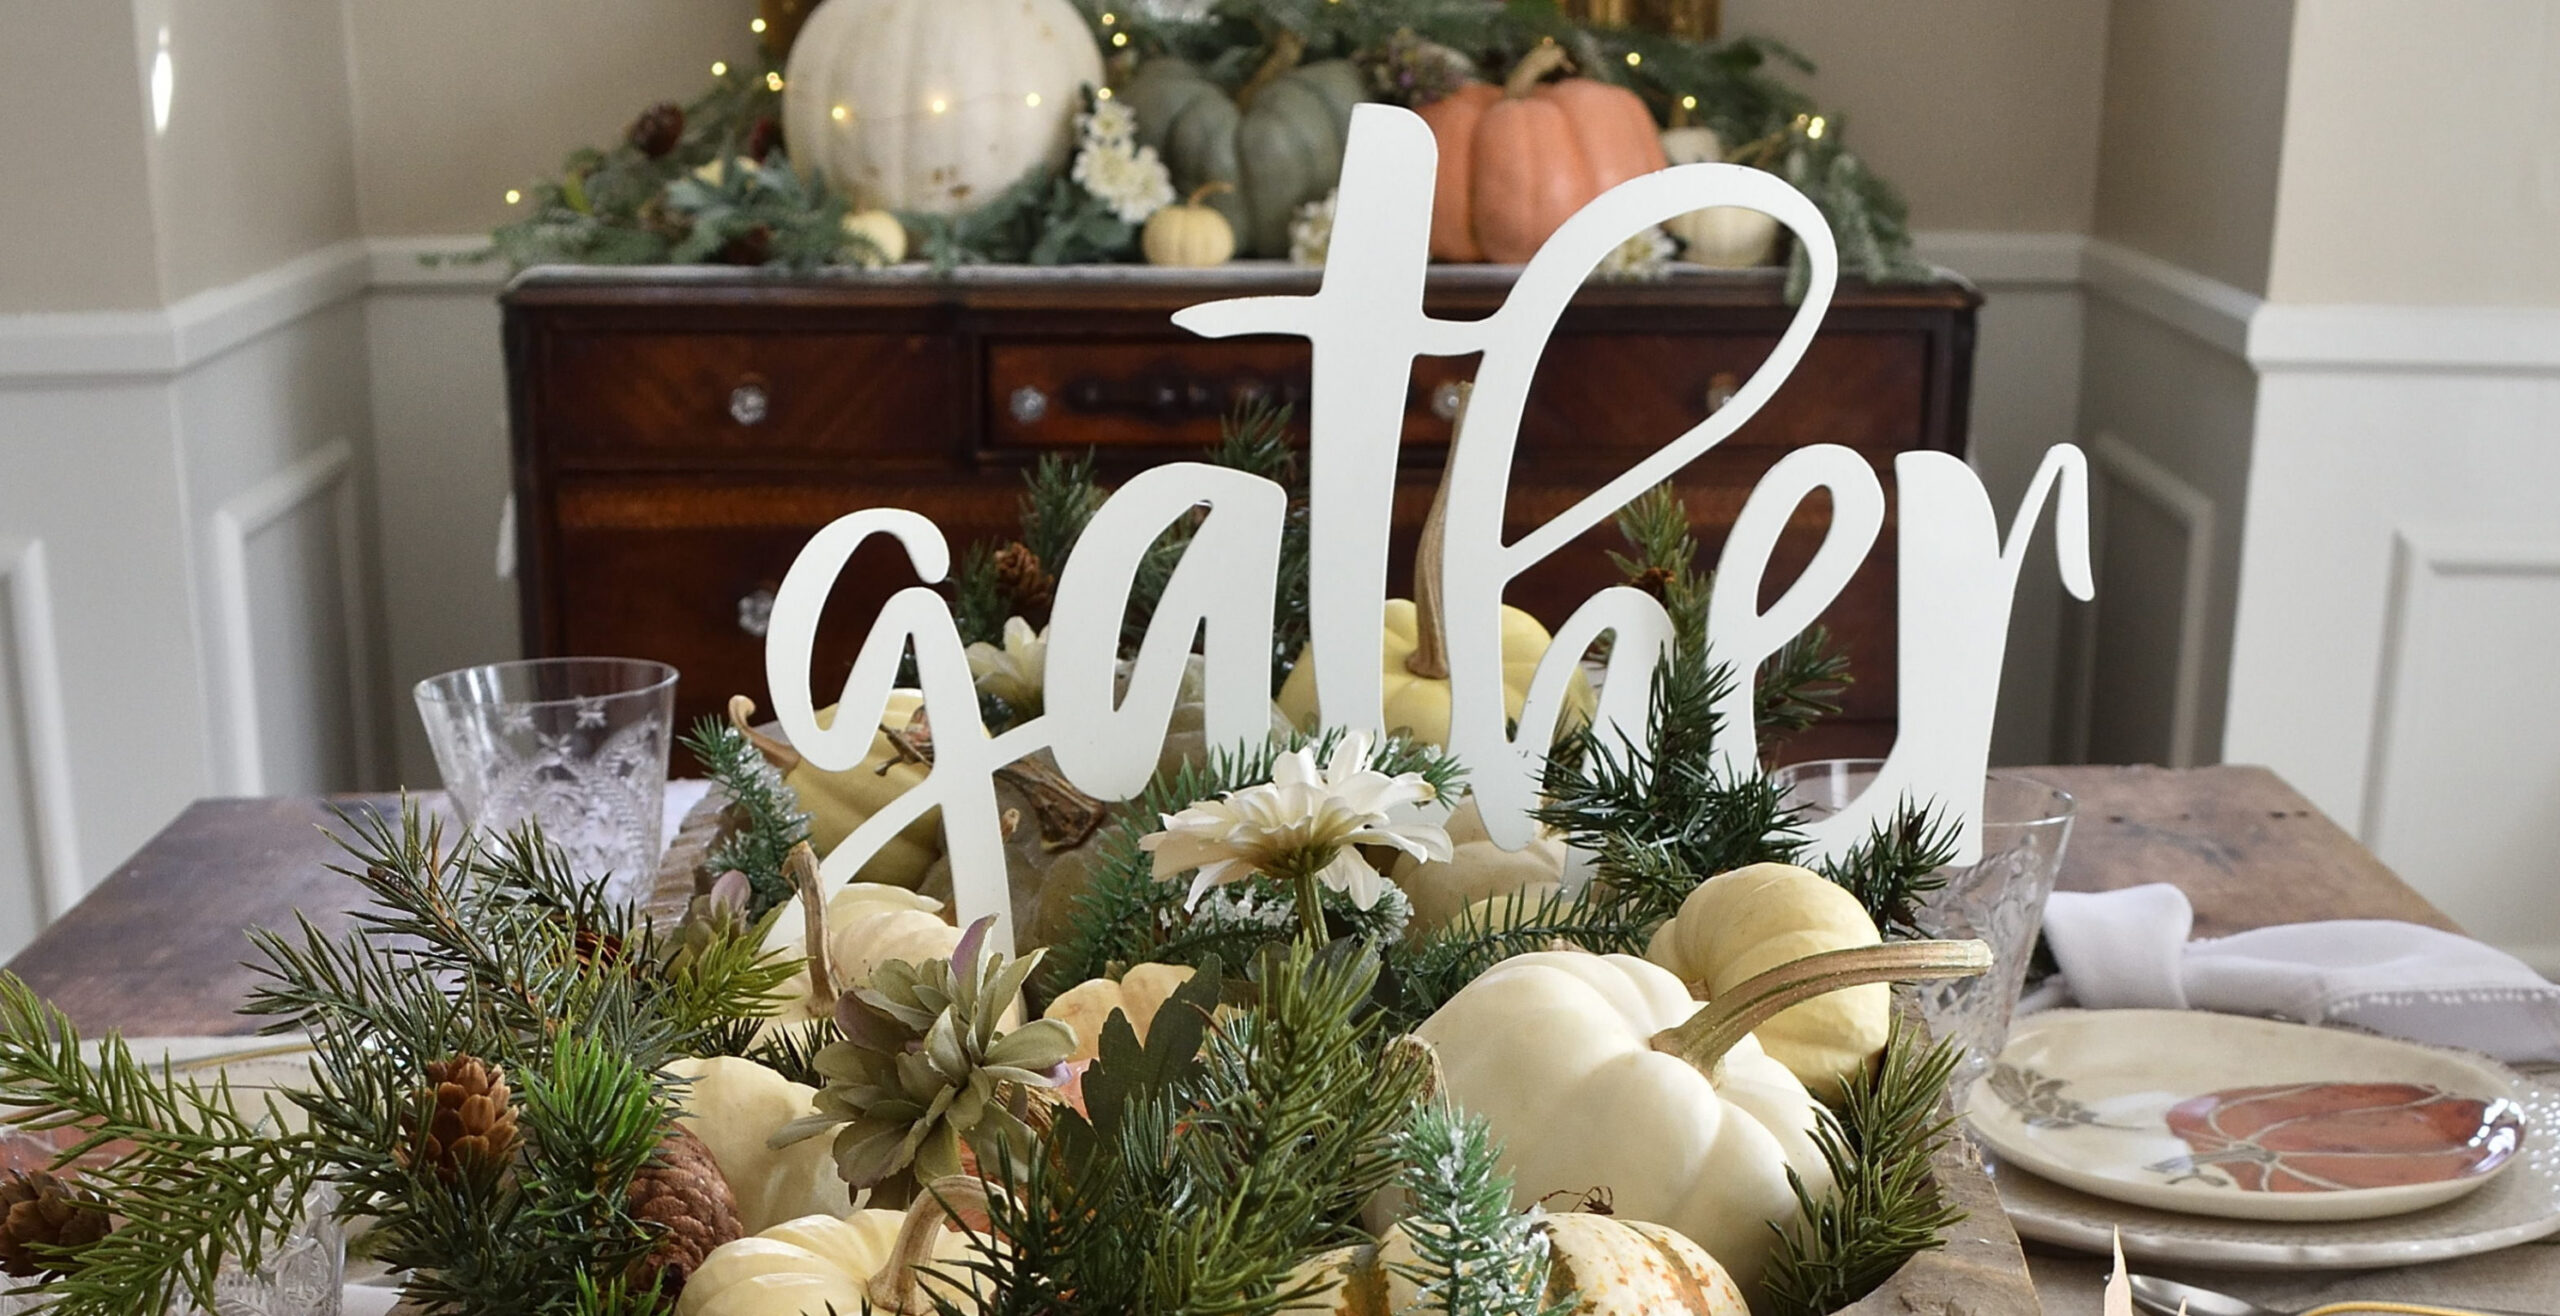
[(1619, 393), (641, 397)]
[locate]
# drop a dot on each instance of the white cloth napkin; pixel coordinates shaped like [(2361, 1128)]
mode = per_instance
[(2129, 950)]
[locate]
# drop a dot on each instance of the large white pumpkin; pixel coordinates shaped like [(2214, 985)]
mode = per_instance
[(935, 105)]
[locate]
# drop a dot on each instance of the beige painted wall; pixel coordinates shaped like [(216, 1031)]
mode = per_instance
[(257, 165), (458, 100), (2423, 164), (2194, 118), (1985, 112), (77, 207)]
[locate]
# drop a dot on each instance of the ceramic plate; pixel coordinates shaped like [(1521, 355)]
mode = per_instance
[(2518, 1206), (2247, 1119)]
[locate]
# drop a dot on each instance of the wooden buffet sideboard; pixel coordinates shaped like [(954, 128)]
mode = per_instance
[(679, 434)]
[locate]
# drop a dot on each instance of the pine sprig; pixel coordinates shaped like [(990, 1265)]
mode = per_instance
[(1886, 1205), (1476, 1255), (773, 821), (1426, 974), (1898, 865)]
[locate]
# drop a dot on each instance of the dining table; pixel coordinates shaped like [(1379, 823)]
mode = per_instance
[(161, 948)]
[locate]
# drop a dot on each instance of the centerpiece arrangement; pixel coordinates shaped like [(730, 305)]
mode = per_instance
[(1084, 131)]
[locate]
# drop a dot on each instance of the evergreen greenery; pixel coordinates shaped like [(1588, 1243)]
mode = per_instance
[(1478, 1256), (498, 952), (1885, 1206), (769, 821)]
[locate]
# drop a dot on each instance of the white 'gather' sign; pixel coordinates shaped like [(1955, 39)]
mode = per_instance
[(1958, 573)]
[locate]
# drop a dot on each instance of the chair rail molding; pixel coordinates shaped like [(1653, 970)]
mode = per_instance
[(327, 470), (90, 345), (44, 717), (2189, 508)]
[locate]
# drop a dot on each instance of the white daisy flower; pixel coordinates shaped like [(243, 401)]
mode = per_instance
[(1110, 123), (1131, 180), (1013, 673), (1645, 256), (1311, 232), (1307, 817)]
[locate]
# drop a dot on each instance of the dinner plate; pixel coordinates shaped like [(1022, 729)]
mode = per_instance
[(2520, 1205), (2242, 1118)]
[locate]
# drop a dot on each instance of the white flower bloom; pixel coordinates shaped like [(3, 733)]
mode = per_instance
[(1304, 814), (1014, 672), (1311, 233), (1647, 255), (1130, 180), (1109, 124)]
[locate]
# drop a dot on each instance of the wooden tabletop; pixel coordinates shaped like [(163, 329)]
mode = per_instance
[(159, 947)]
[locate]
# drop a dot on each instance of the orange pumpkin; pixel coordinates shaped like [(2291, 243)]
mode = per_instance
[(1517, 160)]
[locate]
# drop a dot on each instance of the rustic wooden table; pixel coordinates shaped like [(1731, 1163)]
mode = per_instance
[(159, 948)]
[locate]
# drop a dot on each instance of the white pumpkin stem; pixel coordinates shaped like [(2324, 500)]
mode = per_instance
[(801, 866), (1533, 69), (784, 758), (1724, 1022), (1430, 657), (899, 1285)]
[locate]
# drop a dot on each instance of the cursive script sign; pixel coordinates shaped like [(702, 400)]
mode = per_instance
[(1367, 325)]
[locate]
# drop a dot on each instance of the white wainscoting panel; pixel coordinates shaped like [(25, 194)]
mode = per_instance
[(2462, 791), (326, 473), (2156, 569), (35, 739)]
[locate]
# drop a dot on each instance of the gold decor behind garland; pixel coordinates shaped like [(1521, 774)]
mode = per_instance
[(1694, 20)]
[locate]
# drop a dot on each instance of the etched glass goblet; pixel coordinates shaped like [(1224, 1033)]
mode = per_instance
[(578, 745), (2025, 826)]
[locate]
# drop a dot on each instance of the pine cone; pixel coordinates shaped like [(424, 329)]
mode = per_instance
[(473, 1128), (40, 1210), (1655, 581), (753, 247), (763, 137), (684, 1194), (657, 130), (1023, 580)]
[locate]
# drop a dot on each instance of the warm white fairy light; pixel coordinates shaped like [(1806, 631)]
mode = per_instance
[(1109, 18), (514, 196), (938, 105), (719, 68), (1688, 102), (1813, 128), (841, 113), (1102, 93), (773, 82), (1634, 58), (756, 26), (1119, 38), (1032, 99)]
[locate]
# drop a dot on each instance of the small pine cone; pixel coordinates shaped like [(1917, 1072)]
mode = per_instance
[(474, 1124), (753, 247), (657, 130), (1655, 581), (761, 139), (1020, 575), (683, 1194), (40, 1210)]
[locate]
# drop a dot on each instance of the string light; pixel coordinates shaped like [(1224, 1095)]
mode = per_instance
[(1634, 58), (1102, 93), (1032, 100), (841, 113), (756, 26), (1119, 38), (938, 105), (1688, 102), (773, 82), (514, 196), (719, 68), (1813, 128), (1109, 18)]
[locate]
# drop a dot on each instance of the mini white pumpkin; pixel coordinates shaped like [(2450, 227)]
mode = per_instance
[(935, 106), (1724, 237), (1476, 871)]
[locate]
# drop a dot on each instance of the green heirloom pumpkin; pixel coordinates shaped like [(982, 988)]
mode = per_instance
[(1277, 141)]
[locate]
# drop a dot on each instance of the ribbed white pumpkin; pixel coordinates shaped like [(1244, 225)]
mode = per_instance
[(935, 105)]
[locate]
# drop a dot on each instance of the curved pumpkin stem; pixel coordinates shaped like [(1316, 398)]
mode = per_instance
[(1725, 1021), (1287, 50), (1430, 657), (1207, 190), (784, 758), (801, 866), (1533, 69), (899, 1285)]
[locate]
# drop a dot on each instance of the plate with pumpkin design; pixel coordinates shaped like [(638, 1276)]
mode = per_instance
[(2242, 1118)]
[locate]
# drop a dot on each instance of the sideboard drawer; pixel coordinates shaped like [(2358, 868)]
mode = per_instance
[(621, 396)]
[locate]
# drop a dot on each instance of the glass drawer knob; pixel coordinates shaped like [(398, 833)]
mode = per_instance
[(1028, 405), (755, 613), (1447, 398), (749, 404)]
